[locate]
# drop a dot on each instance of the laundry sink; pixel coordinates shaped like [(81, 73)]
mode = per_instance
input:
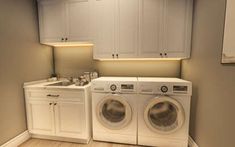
[(63, 83)]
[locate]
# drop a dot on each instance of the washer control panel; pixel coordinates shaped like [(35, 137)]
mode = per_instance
[(122, 87)]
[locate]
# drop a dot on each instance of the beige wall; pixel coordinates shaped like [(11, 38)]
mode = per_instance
[(22, 59), (213, 103), (74, 61)]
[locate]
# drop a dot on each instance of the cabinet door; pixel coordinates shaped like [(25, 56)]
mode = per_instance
[(103, 22), (151, 12), (52, 21), (70, 119), (78, 20), (40, 117), (177, 27), (127, 28)]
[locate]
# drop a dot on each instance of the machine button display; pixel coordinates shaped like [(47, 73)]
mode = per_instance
[(164, 89), (127, 86), (113, 87), (180, 88)]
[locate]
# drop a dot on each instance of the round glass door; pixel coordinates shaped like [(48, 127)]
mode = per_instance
[(114, 112), (164, 115)]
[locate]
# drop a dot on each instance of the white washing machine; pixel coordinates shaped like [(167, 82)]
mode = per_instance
[(163, 112), (114, 109)]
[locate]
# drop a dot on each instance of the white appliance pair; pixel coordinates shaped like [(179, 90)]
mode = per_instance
[(144, 111)]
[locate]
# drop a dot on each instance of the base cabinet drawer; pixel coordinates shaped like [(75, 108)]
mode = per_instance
[(56, 94)]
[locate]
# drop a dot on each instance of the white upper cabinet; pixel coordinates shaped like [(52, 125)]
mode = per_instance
[(115, 28), (150, 28), (64, 21), (51, 21), (142, 28), (78, 20), (120, 29), (103, 23), (165, 28), (177, 28), (127, 28)]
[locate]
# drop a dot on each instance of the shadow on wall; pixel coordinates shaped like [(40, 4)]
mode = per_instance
[(139, 68), (73, 61), (194, 103)]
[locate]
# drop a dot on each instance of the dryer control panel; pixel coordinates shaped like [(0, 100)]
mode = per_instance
[(165, 88)]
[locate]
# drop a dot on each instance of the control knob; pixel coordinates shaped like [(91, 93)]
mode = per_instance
[(164, 89), (113, 87)]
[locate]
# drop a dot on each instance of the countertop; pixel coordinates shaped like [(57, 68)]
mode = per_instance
[(43, 84)]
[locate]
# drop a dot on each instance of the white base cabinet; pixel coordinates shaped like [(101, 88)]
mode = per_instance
[(59, 113)]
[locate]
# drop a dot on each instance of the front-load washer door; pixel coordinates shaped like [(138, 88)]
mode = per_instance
[(114, 112), (164, 115)]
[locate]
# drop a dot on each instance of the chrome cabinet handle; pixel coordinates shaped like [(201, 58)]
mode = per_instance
[(51, 95)]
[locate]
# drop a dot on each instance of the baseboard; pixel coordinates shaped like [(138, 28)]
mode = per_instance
[(191, 142), (83, 141), (17, 140), (25, 136)]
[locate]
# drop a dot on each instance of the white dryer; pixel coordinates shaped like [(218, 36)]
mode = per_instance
[(114, 109), (163, 112)]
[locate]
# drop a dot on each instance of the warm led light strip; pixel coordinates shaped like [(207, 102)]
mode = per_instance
[(70, 44), (141, 59)]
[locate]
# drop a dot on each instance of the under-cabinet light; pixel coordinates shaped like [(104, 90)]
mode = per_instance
[(70, 44), (141, 59)]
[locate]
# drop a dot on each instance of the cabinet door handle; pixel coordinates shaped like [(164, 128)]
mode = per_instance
[(50, 103), (66, 39), (117, 55), (113, 55), (55, 104), (51, 95), (165, 54), (62, 39), (161, 54)]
